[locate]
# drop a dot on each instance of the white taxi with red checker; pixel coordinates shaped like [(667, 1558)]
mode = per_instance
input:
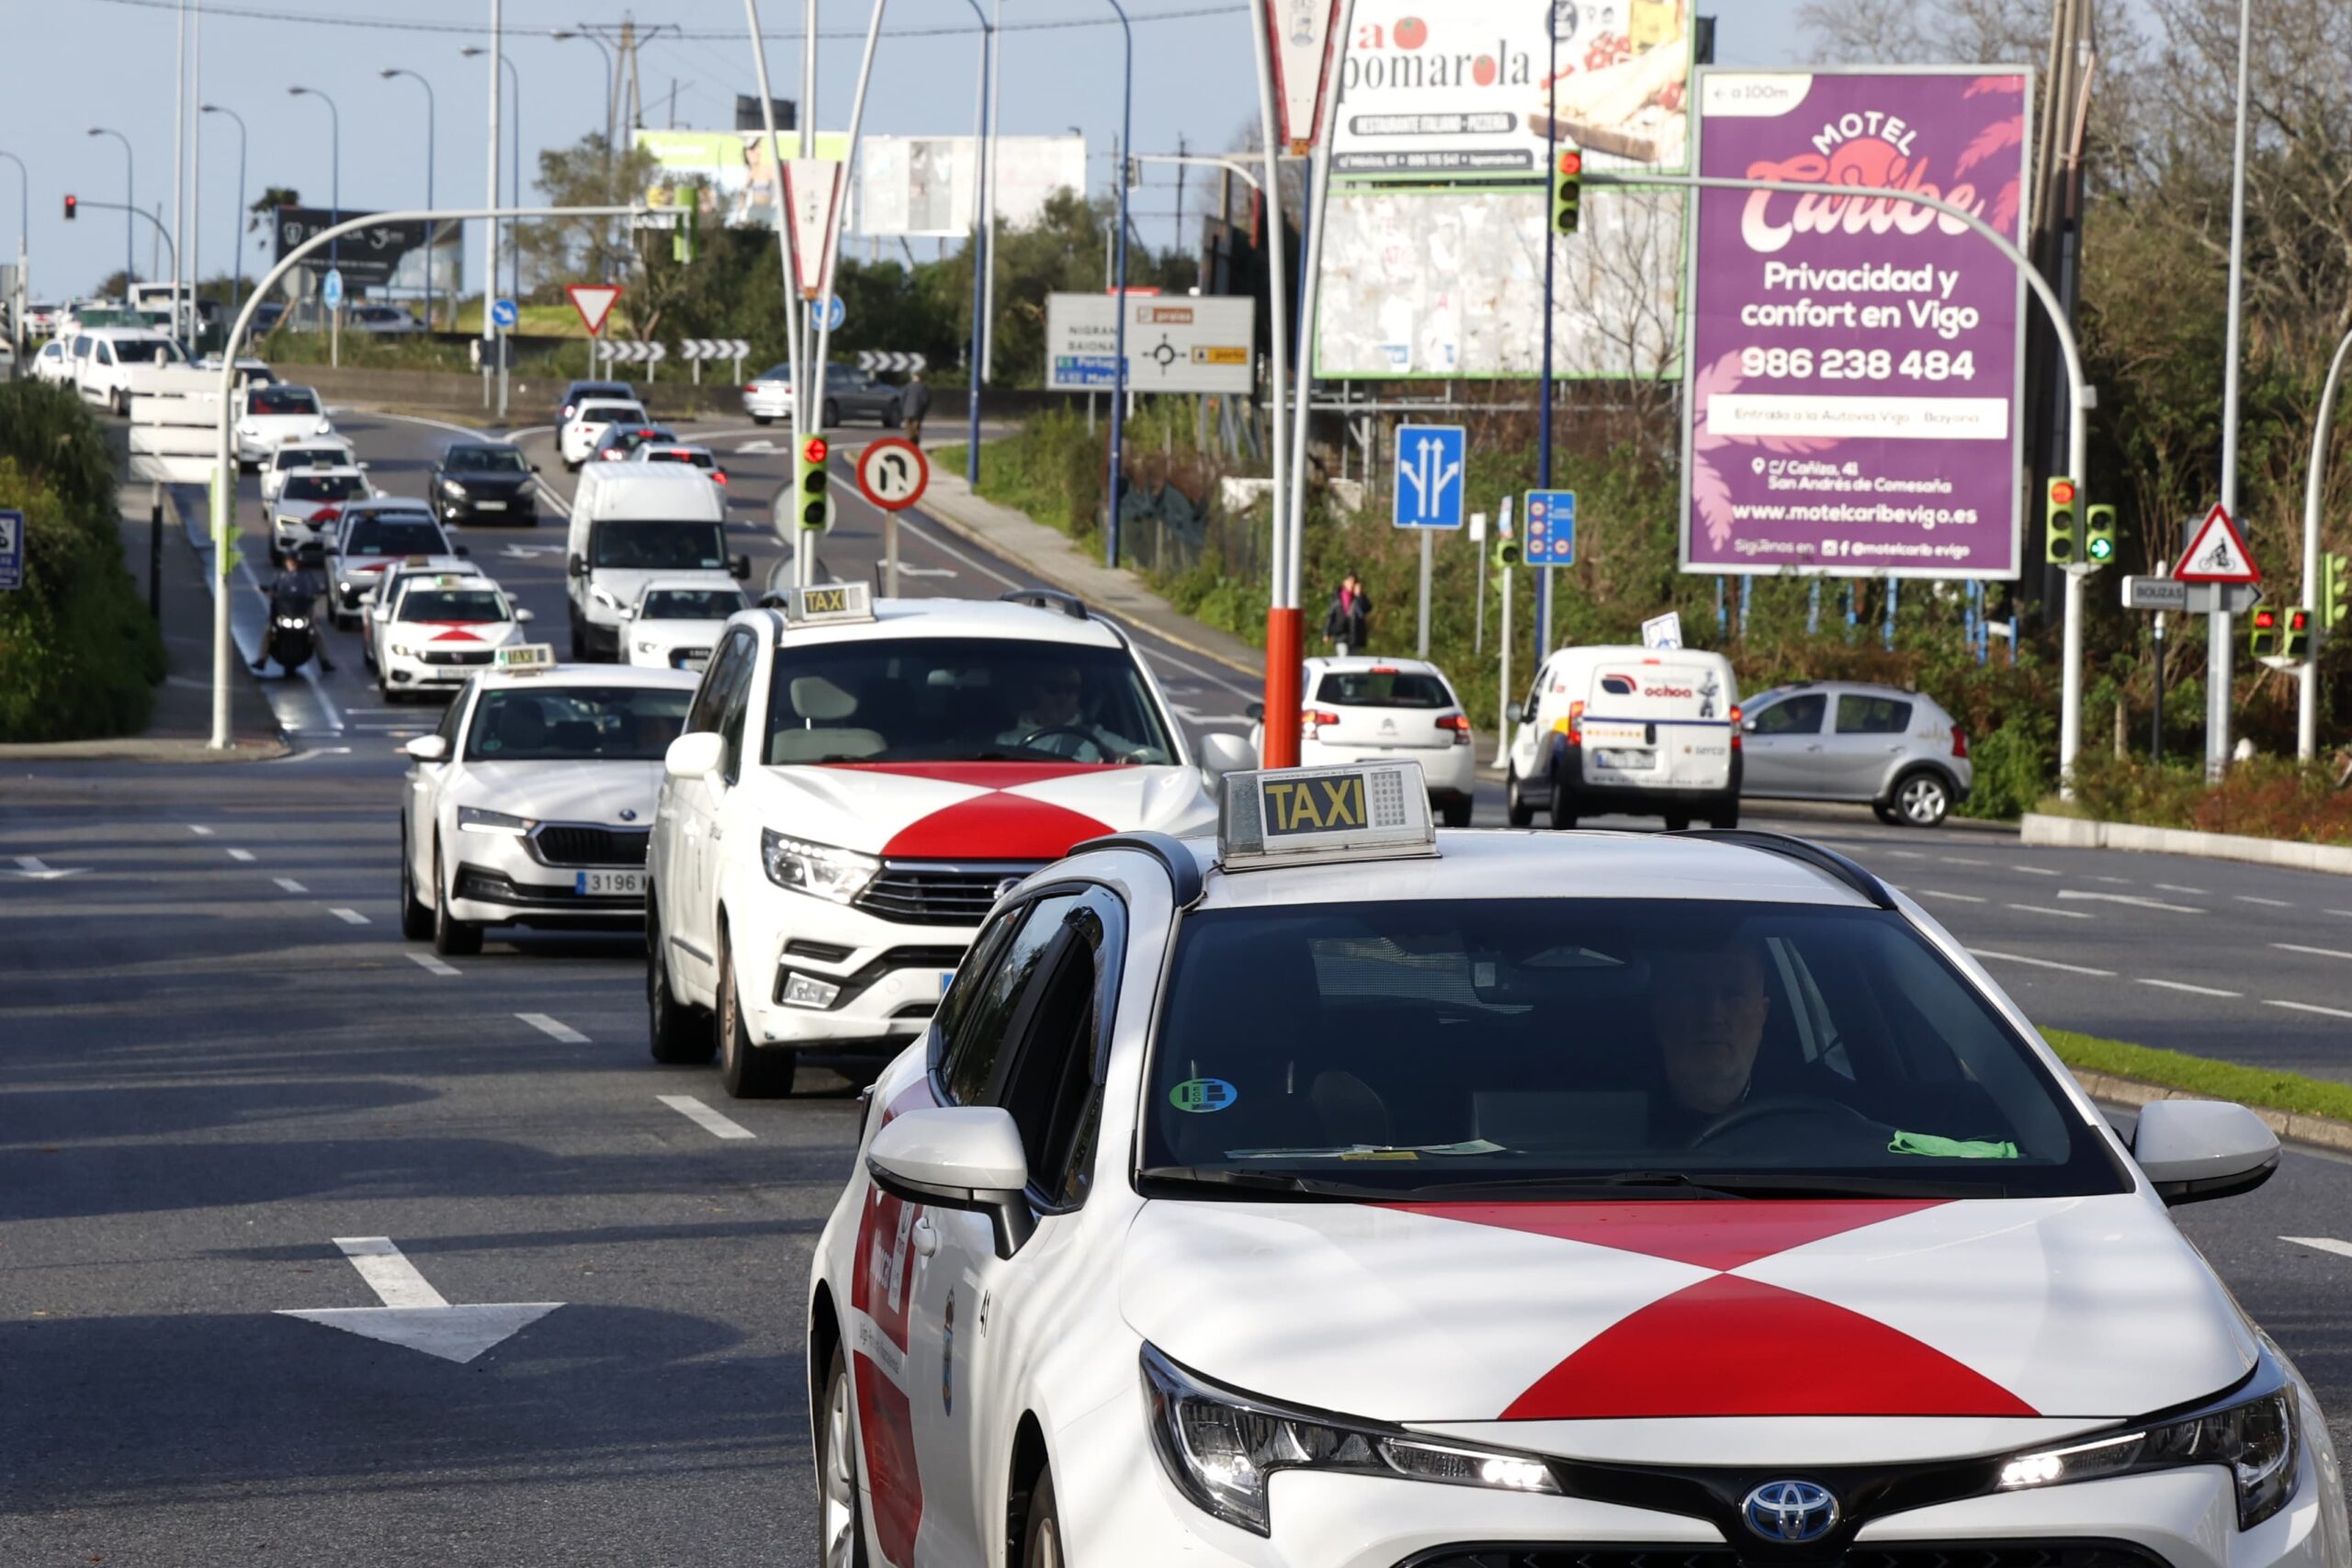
[(858, 783), (1346, 1193), (439, 630)]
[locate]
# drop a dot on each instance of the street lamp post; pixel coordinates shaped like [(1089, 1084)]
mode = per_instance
[(432, 112), (130, 200), (1119, 347), (514, 162), (23, 228), (983, 243), (237, 284)]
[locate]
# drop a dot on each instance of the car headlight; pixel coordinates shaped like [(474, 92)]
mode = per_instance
[(2253, 1437), (400, 650), (247, 430), (603, 598), (474, 819), (453, 490), (816, 869), (1221, 1447), (326, 427), (644, 646)]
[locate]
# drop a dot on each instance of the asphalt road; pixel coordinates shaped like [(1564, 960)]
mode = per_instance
[(221, 1059)]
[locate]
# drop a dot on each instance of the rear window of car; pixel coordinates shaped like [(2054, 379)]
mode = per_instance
[(1384, 689), (309, 456), (285, 400), (611, 414), (325, 487), (1872, 716)]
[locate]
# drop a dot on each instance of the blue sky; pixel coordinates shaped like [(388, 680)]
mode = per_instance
[(1192, 79)]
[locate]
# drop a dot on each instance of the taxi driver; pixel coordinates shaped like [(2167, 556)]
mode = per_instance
[(1053, 719), (1708, 1006)]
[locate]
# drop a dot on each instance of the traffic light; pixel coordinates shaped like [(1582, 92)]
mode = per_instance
[(816, 506), (2336, 592), (2262, 633), (2297, 643), (2098, 533), (1506, 553), (1568, 190), (73, 207), (2058, 526)]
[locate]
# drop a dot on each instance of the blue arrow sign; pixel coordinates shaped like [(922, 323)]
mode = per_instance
[(836, 312), (12, 551), (1551, 528), (331, 290), (1430, 488), (504, 315)]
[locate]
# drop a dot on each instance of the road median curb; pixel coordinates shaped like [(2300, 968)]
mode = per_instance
[(2088, 833), (2292, 1126)]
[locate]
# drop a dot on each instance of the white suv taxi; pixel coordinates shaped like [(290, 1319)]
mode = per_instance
[(857, 783), (1346, 1192), (530, 805), (439, 630)]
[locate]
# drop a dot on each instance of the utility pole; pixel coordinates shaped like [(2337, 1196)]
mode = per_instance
[(489, 342), (2217, 674)]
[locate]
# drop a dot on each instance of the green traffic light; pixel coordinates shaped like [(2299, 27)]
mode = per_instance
[(2102, 549)]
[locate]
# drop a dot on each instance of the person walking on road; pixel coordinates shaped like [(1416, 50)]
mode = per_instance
[(917, 406), (1348, 627)]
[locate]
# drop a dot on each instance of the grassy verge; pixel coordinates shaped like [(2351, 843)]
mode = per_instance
[(2264, 797), (2259, 1086)]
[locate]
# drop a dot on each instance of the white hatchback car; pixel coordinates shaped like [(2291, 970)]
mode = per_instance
[(675, 620), (580, 433), (1385, 710), (1346, 1193)]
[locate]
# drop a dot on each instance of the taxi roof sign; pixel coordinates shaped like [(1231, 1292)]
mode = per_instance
[(528, 656), (1309, 815), (830, 603)]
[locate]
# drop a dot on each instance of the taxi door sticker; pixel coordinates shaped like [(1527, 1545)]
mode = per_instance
[(1314, 806), (881, 1294)]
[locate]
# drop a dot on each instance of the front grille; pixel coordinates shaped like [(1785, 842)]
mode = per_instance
[(494, 887), (469, 656), (855, 985), (1994, 1554), (938, 896), (562, 844)]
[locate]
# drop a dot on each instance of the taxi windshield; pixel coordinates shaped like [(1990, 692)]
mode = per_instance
[(1556, 1049), (962, 700), (660, 547), (691, 604), (466, 605), (325, 487), (486, 460), (576, 724), (416, 535)]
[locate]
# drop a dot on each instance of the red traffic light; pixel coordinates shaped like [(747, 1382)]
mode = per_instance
[(2265, 620), (2299, 620), (72, 205), (1571, 163), (2062, 492), (815, 449)]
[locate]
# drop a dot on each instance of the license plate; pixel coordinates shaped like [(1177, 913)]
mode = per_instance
[(1628, 760), (609, 884), (490, 506)]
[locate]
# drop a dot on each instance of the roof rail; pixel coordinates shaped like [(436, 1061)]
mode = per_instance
[(1070, 605), (1829, 863), (1183, 870)]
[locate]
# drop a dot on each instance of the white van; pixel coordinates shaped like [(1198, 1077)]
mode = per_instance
[(1640, 731), (105, 356), (632, 523)]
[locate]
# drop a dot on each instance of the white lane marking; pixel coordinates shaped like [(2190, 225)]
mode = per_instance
[(1955, 897), (2177, 887), (349, 917), (241, 854), (431, 964), (35, 869), (310, 673), (2340, 911), (563, 1033), (1961, 860), (2185, 985), (2039, 909), (2266, 903), (199, 832), (703, 1116), (289, 885), (2133, 899), (1905, 854), (2322, 1244), (2043, 963), (395, 1280), (2114, 881), (2314, 951), (2037, 871), (2308, 1007)]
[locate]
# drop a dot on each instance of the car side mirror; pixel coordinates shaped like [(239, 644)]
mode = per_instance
[(738, 567), (966, 1158), (427, 749), (535, 467), (1254, 710), (2193, 1150), (1223, 754), (523, 616), (462, 553), (1747, 727), (575, 566), (695, 756), (1516, 713)]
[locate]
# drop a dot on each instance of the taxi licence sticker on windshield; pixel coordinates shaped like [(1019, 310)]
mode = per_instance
[(1314, 806), (1199, 1096)]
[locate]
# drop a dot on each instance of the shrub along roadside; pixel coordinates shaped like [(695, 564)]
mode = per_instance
[(2263, 797), (2259, 1087), (79, 657)]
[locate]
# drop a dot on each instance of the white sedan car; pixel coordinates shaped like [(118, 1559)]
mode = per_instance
[(580, 433), (675, 620), (1385, 710), (440, 630), (1344, 1192), (317, 452), (530, 805), (270, 415)]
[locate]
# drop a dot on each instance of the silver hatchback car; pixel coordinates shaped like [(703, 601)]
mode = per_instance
[(1897, 750)]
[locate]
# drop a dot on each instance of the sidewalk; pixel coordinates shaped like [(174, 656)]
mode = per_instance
[(180, 728)]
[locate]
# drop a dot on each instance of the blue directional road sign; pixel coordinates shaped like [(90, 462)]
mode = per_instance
[(331, 290), (1551, 528), (1430, 459), (504, 315), (836, 312), (12, 550)]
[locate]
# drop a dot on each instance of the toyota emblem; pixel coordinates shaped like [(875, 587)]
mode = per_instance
[(1791, 1511)]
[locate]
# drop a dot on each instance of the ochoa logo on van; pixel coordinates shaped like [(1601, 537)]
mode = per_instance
[(1667, 692)]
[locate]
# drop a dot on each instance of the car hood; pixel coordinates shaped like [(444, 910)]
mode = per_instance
[(452, 637), (276, 427), (1553, 1318), (491, 484), (596, 792), (978, 811), (677, 633), (610, 587)]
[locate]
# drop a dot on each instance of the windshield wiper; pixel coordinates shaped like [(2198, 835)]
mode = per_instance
[(1266, 1182), (1727, 1184)]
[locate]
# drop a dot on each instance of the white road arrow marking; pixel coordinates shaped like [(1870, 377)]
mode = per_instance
[(529, 552), (31, 868), (415, 1314), (2132, 899), (906, 571), (753, 448), (2322, 1244)]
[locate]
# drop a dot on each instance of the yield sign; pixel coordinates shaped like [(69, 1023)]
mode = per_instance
[(813, 195), (2218, 555), (1303, 36), (595, 302)]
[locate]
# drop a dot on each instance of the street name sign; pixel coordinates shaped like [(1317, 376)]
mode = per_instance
[(2155, 593)]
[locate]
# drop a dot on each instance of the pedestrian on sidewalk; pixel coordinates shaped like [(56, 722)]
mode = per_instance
[(915, 407), (1348, 627)]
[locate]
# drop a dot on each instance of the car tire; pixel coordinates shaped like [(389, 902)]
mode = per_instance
[(680, 1036), (1922, 799), (1563, 805), (416, 920), (1516, 811), (1041, 1527), (832, 412), (452, 937), (763, 420), (1456, 813), (118, 404), (746, 1071), (841, 1507), (1678, 821), (1885, 811), (1725, 818)]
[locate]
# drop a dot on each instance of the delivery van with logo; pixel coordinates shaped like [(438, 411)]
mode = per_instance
[(1639, 731)]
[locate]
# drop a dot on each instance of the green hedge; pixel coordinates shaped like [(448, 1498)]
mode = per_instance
[(79, 656)]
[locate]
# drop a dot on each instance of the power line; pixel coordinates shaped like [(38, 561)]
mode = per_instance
[(396, 24)]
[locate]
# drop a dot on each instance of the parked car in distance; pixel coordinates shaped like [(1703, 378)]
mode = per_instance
[(767, 397), (385, 320), (1898, 751), (485, 482), (852, 394)]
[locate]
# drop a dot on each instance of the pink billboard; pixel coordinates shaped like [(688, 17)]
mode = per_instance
[(1854, 395)]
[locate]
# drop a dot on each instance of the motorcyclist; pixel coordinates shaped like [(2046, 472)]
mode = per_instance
[(296, 587)]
